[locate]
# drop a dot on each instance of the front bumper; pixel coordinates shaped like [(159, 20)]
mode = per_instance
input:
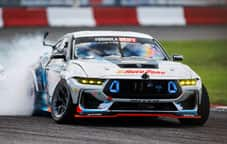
[(93, 103)]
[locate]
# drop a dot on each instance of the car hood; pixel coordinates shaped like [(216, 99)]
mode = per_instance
[(133, 68)]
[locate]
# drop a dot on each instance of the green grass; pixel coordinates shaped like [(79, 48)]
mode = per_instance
[(209, 60)]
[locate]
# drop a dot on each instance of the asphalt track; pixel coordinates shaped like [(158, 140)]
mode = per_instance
[(43, 130)]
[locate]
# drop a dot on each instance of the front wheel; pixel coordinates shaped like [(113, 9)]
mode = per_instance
[(203, 111), (62, 110)]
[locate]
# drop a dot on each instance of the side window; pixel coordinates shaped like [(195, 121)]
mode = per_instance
[(67, 47), (64, 45), (59, 43)]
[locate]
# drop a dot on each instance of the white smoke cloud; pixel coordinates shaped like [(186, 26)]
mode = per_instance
[(2, 74), (17, 57)]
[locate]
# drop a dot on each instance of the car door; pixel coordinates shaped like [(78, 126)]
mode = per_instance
[(56, 65)]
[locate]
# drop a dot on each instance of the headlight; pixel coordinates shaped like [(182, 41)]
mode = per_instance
[(90, 81), (188, 82)]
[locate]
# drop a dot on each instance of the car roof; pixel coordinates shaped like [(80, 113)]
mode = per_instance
[(108, 33)]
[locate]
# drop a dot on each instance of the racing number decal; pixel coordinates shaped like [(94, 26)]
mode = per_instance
[(114, 87), (172, 88)]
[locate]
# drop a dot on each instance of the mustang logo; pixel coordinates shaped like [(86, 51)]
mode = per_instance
[(145, 76)]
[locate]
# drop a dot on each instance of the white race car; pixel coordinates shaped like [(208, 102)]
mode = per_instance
[(109, 74)]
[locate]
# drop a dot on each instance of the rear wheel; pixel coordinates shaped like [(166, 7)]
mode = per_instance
[(203, 111), (62, 109)]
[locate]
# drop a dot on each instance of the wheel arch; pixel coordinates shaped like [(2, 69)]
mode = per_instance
[(74, 92)]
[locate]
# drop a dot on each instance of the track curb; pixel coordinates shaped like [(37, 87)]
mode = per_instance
[(218, 108)]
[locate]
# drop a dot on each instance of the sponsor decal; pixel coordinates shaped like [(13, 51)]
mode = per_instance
[(124, 39), (120, 39), (145, 100), (141, 72), (105, 39)]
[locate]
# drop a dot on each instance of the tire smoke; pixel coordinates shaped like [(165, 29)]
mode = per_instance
[(17, 58)]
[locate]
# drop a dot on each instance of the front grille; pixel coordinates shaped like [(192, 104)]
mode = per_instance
[(142, 89), (143, 106)]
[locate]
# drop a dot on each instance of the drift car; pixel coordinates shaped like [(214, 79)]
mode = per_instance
[(108, 74)]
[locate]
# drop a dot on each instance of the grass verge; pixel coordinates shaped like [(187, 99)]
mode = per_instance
[(209, 60)]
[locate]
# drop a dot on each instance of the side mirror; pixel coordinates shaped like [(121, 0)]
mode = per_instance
[(44, 40), (178, 58)]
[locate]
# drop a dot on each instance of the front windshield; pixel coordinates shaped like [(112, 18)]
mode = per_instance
[(125, 47)]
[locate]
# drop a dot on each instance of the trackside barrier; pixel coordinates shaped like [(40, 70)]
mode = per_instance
[(205, 15), (24, 17), (161, 16), (112, 16), (115, 16), (70, 17)]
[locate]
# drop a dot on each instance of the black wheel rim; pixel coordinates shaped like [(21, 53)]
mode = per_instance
[(60, 102)]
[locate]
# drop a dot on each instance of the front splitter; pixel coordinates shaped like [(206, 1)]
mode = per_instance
[(136, 115)]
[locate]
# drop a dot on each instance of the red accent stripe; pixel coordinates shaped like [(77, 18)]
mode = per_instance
[(115, 16), (24, 17), (205, 15), (135, 115), (217, 105), (78, 109)]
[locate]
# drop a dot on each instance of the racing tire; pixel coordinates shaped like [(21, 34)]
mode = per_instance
[(62, 108), (203, 111)]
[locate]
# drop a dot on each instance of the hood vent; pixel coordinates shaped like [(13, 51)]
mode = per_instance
[(144, 66)]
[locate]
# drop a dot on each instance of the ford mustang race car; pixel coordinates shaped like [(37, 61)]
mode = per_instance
[(109, 74)]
